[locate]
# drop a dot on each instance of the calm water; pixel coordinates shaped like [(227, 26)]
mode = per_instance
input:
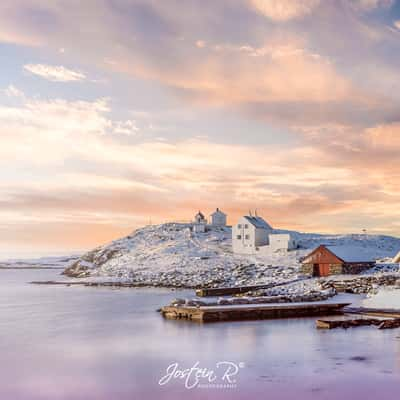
[(98, 343)]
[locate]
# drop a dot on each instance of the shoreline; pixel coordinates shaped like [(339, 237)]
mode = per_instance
[(109, 284), (60, 268)]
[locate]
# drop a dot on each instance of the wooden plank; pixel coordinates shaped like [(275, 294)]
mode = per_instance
[(347, 323), (259, 311), (227, 291), (390, 324)]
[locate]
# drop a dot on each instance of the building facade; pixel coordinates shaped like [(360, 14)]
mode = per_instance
[(199, 218), (282, 241), (218, 218), (250, 233), (334, 260)]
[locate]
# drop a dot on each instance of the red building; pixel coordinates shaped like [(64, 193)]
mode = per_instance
[(333, 260)]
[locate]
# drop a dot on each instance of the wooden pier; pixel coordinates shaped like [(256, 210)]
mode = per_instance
[(251, 312), (390, 323), (227, 291)]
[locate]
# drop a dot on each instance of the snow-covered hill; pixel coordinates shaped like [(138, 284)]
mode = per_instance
[(53, 262), (172, 255)]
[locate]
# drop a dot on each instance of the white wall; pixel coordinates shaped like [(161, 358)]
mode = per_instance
[(250, 237), (199, 228), (199, 220), (281, 242), (218, 219), (243, 237)]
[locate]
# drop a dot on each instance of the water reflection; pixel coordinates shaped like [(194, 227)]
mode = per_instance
[(97, 343)]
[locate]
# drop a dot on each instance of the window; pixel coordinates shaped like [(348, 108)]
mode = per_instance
[(238, 237), (246, 226), (247, 237), (240, 226)]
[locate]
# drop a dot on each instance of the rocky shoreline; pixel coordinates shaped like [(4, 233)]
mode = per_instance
[(362, 284)]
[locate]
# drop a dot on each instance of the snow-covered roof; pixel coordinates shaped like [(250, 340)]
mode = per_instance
[(351, 253), (258, 222), (199, 214), (218, 211)]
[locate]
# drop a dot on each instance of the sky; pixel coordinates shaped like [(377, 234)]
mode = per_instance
[(119, 113)]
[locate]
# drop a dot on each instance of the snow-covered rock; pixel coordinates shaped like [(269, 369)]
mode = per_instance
[(172, 255), (385, 298)]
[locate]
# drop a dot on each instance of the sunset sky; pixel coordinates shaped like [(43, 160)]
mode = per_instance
[(115, 113)]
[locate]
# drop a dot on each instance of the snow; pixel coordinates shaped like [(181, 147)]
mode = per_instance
[(387, 297), (353, 254), (172, 255), (258, 222), (48, 262)]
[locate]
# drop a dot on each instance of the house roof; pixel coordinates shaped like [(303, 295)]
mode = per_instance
[(200, 214), (218, 211), (352, 254), (258, 222)]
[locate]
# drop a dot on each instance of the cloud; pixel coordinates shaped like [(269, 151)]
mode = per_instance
[(86, 174), (241, 61), (200, 43), (12, 91), (397, 24), (323, 71), (369, 5), (283, 72), (54, 73), (386, 136), (284, 10), (47, 132)]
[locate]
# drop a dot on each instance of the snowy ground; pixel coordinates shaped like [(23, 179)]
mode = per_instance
[(56, 262), (171, 255), (386, 298)]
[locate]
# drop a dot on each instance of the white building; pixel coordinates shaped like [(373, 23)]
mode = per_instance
[(199, 218), (200, 223), (199, 228), (249, 234), (253, 235), (218, 218), (281, 241)]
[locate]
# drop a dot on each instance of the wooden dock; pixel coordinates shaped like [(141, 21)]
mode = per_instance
[(390, 323), (227, 291), (347, 323), (251, 312)]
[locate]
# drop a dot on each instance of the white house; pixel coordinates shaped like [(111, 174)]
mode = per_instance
[(218, 218), (200, 223), (249, 234), (281, 241), (199, 218), (253, 235)]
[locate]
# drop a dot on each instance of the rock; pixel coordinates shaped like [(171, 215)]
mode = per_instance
[(178, 302)]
